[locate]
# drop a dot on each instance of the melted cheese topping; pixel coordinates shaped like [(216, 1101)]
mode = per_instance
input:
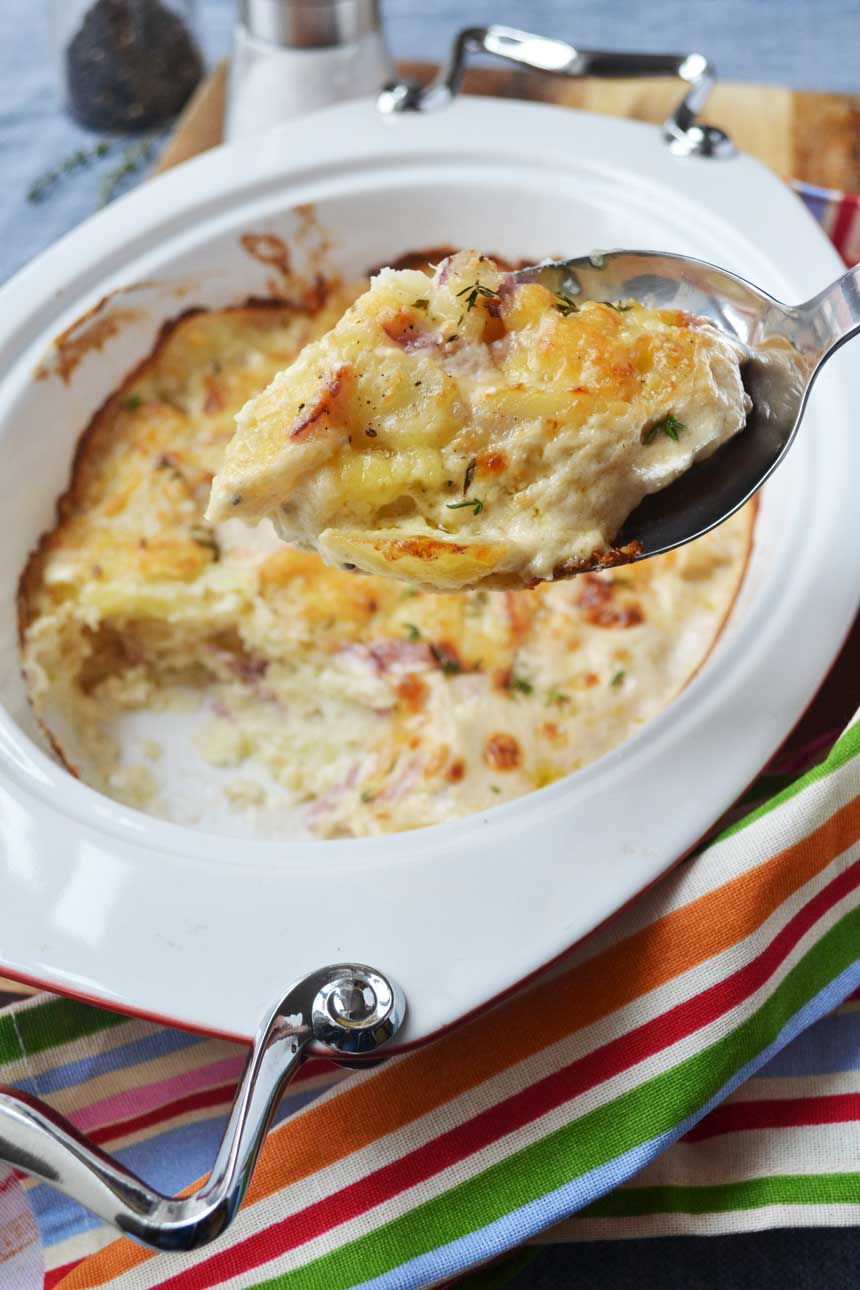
[(473, 431), (369, 704)]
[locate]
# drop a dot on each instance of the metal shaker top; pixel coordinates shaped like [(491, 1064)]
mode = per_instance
[(309, 24)]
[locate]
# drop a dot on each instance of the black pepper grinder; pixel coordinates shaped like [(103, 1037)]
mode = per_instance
[(126, 65)]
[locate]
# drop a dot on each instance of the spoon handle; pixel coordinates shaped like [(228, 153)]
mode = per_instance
[(831, 317)]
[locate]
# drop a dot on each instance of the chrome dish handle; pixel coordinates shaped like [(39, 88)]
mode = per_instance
[(348, 1009), (682, 130)]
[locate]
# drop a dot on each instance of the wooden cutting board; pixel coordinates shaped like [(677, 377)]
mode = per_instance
[(815, 137)]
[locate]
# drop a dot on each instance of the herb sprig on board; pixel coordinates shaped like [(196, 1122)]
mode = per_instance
[(82, 159), (133, 159)]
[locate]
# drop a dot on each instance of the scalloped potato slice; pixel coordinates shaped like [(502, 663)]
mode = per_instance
[(420, 559), (470, 430)]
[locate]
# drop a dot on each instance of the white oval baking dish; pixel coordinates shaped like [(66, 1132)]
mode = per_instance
[(205, 929)]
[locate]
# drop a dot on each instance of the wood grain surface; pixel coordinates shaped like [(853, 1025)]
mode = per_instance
[(815, 137)]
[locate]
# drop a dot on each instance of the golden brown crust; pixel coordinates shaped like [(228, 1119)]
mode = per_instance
[(607, 559), (421, 558), (502, 751), (551, 426), (101, 422)]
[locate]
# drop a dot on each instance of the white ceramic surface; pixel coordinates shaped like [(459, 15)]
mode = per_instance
[(108, 903)]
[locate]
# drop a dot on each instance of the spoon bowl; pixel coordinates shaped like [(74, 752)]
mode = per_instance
[(786, 346)]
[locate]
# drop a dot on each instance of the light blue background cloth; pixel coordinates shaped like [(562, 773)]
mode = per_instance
[(803, 43)]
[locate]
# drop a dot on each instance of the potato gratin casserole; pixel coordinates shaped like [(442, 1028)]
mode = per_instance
[(361, 704), (476, 431)]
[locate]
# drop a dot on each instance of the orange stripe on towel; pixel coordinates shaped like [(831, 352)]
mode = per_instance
[(365, 1111)]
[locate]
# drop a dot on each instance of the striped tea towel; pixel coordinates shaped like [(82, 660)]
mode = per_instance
[(839, 216), (561, 1100), (694, 1067)]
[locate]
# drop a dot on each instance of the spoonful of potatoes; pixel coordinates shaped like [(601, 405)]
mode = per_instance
[(480, 428)]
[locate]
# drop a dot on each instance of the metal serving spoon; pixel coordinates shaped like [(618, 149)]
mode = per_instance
[(787, 345)]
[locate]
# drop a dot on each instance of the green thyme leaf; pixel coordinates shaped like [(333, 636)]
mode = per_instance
[(203, 536), (133, 159), (413, 632), (475, 502), (670, 425), (565, 305), (618, 306), (447, 663), (421, 304), (473, 291), (166, 462), (521, 683), (79, 160), (556, 697), (132, 403), (618, 677)]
